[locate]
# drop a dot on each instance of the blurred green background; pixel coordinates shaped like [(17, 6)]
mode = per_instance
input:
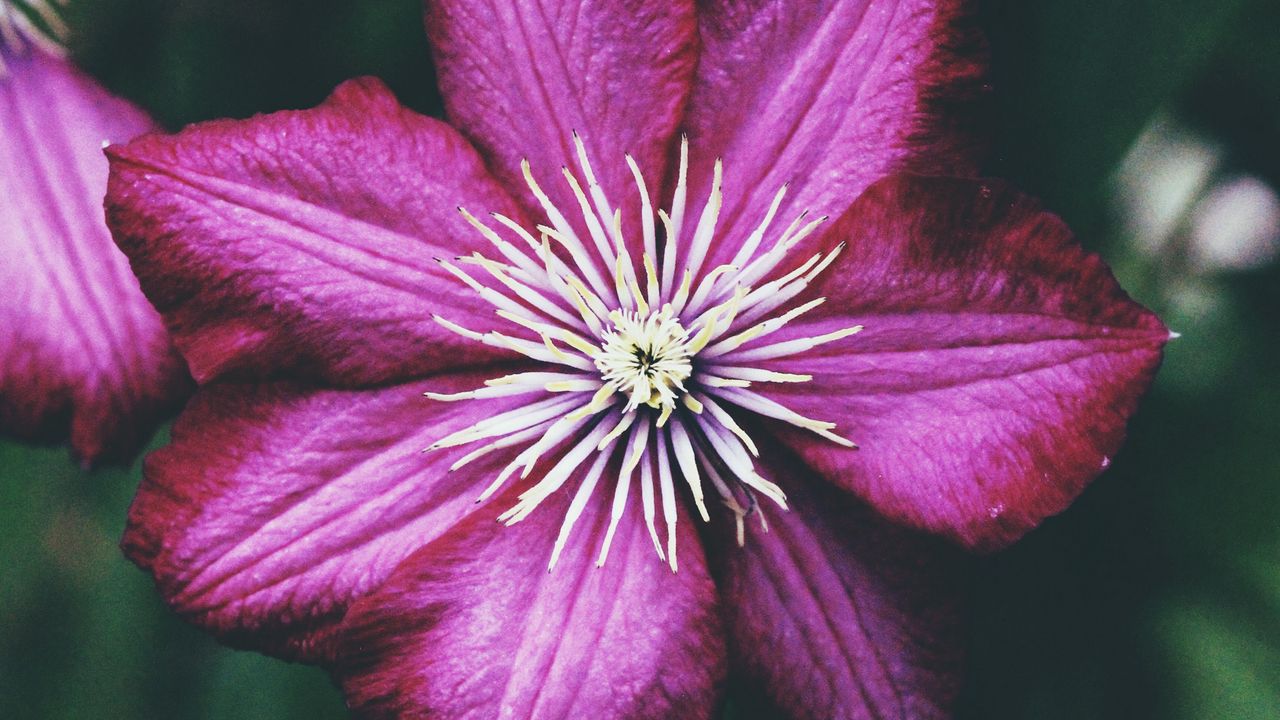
[(1152, 126)]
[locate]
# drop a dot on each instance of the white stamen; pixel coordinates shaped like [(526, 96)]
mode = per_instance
[(509, 251), (556, 477), (635, 453), (748, 375), (792, 347), (646, 500), (507, 441), (507, 422), (682, 447), (578, 504), (706, 224), (667, 486), (675, 219), (656, 356)]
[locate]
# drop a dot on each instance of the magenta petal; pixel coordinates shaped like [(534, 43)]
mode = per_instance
[(834, 614), (520, 78), (829, 96), (997, 368), (305, 242), (81, 350), (274, 507), (474, 626)]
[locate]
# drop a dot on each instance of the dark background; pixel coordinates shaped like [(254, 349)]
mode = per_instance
[(1157, 595)]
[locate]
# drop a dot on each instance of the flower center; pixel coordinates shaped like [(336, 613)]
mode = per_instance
[(650, 357), (646, 358)]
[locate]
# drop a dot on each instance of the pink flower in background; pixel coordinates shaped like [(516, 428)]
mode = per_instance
[(637, 351), (82, 352)]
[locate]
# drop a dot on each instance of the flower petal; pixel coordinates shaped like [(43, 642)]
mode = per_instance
[(997, 368), (836, 614), (474, 626), (829, 97), (520, 78), (303, 242), (274, 507), (81, 350)]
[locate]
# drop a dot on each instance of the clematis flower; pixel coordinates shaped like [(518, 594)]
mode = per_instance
[(705, 362), (82, 352)]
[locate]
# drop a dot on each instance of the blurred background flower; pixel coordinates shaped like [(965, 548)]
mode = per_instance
[(1152, 126), (83, 355)]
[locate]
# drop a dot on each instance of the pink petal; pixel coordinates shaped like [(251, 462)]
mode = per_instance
[(274, 507), (81, 350), (835, 614), (304, 242), (473, 626), (998, 365), (520, 78), (829, 96)]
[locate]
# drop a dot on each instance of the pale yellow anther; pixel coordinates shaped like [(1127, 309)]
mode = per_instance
[(641, 306), (830, 258), (720, 382), (594, 227), (485, 230), (464, 332), (836, 438), (465, 278), (583, 161), (617, 431), (620, 282), (743, 377), (547, 332), (837, 335), (717, 272), (517, 229), (450, 397), (651, 277), (560, 386), (732, 426), (593, 301), (708, 330), (718, 317), (618, 242), (682, 294), (766, 327), (603, 399)]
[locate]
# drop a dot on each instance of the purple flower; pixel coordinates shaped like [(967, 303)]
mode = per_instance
[(638, 351), (82, 352)]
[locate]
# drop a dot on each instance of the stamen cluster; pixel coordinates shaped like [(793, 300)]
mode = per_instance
[(645, 373), (646, 358)]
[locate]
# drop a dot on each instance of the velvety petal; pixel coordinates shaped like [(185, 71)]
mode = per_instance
[(829, 96), (520, 78), (997, 368), (81, 351), (474, 626), (834, 614), (304, 242), (274, 506)]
